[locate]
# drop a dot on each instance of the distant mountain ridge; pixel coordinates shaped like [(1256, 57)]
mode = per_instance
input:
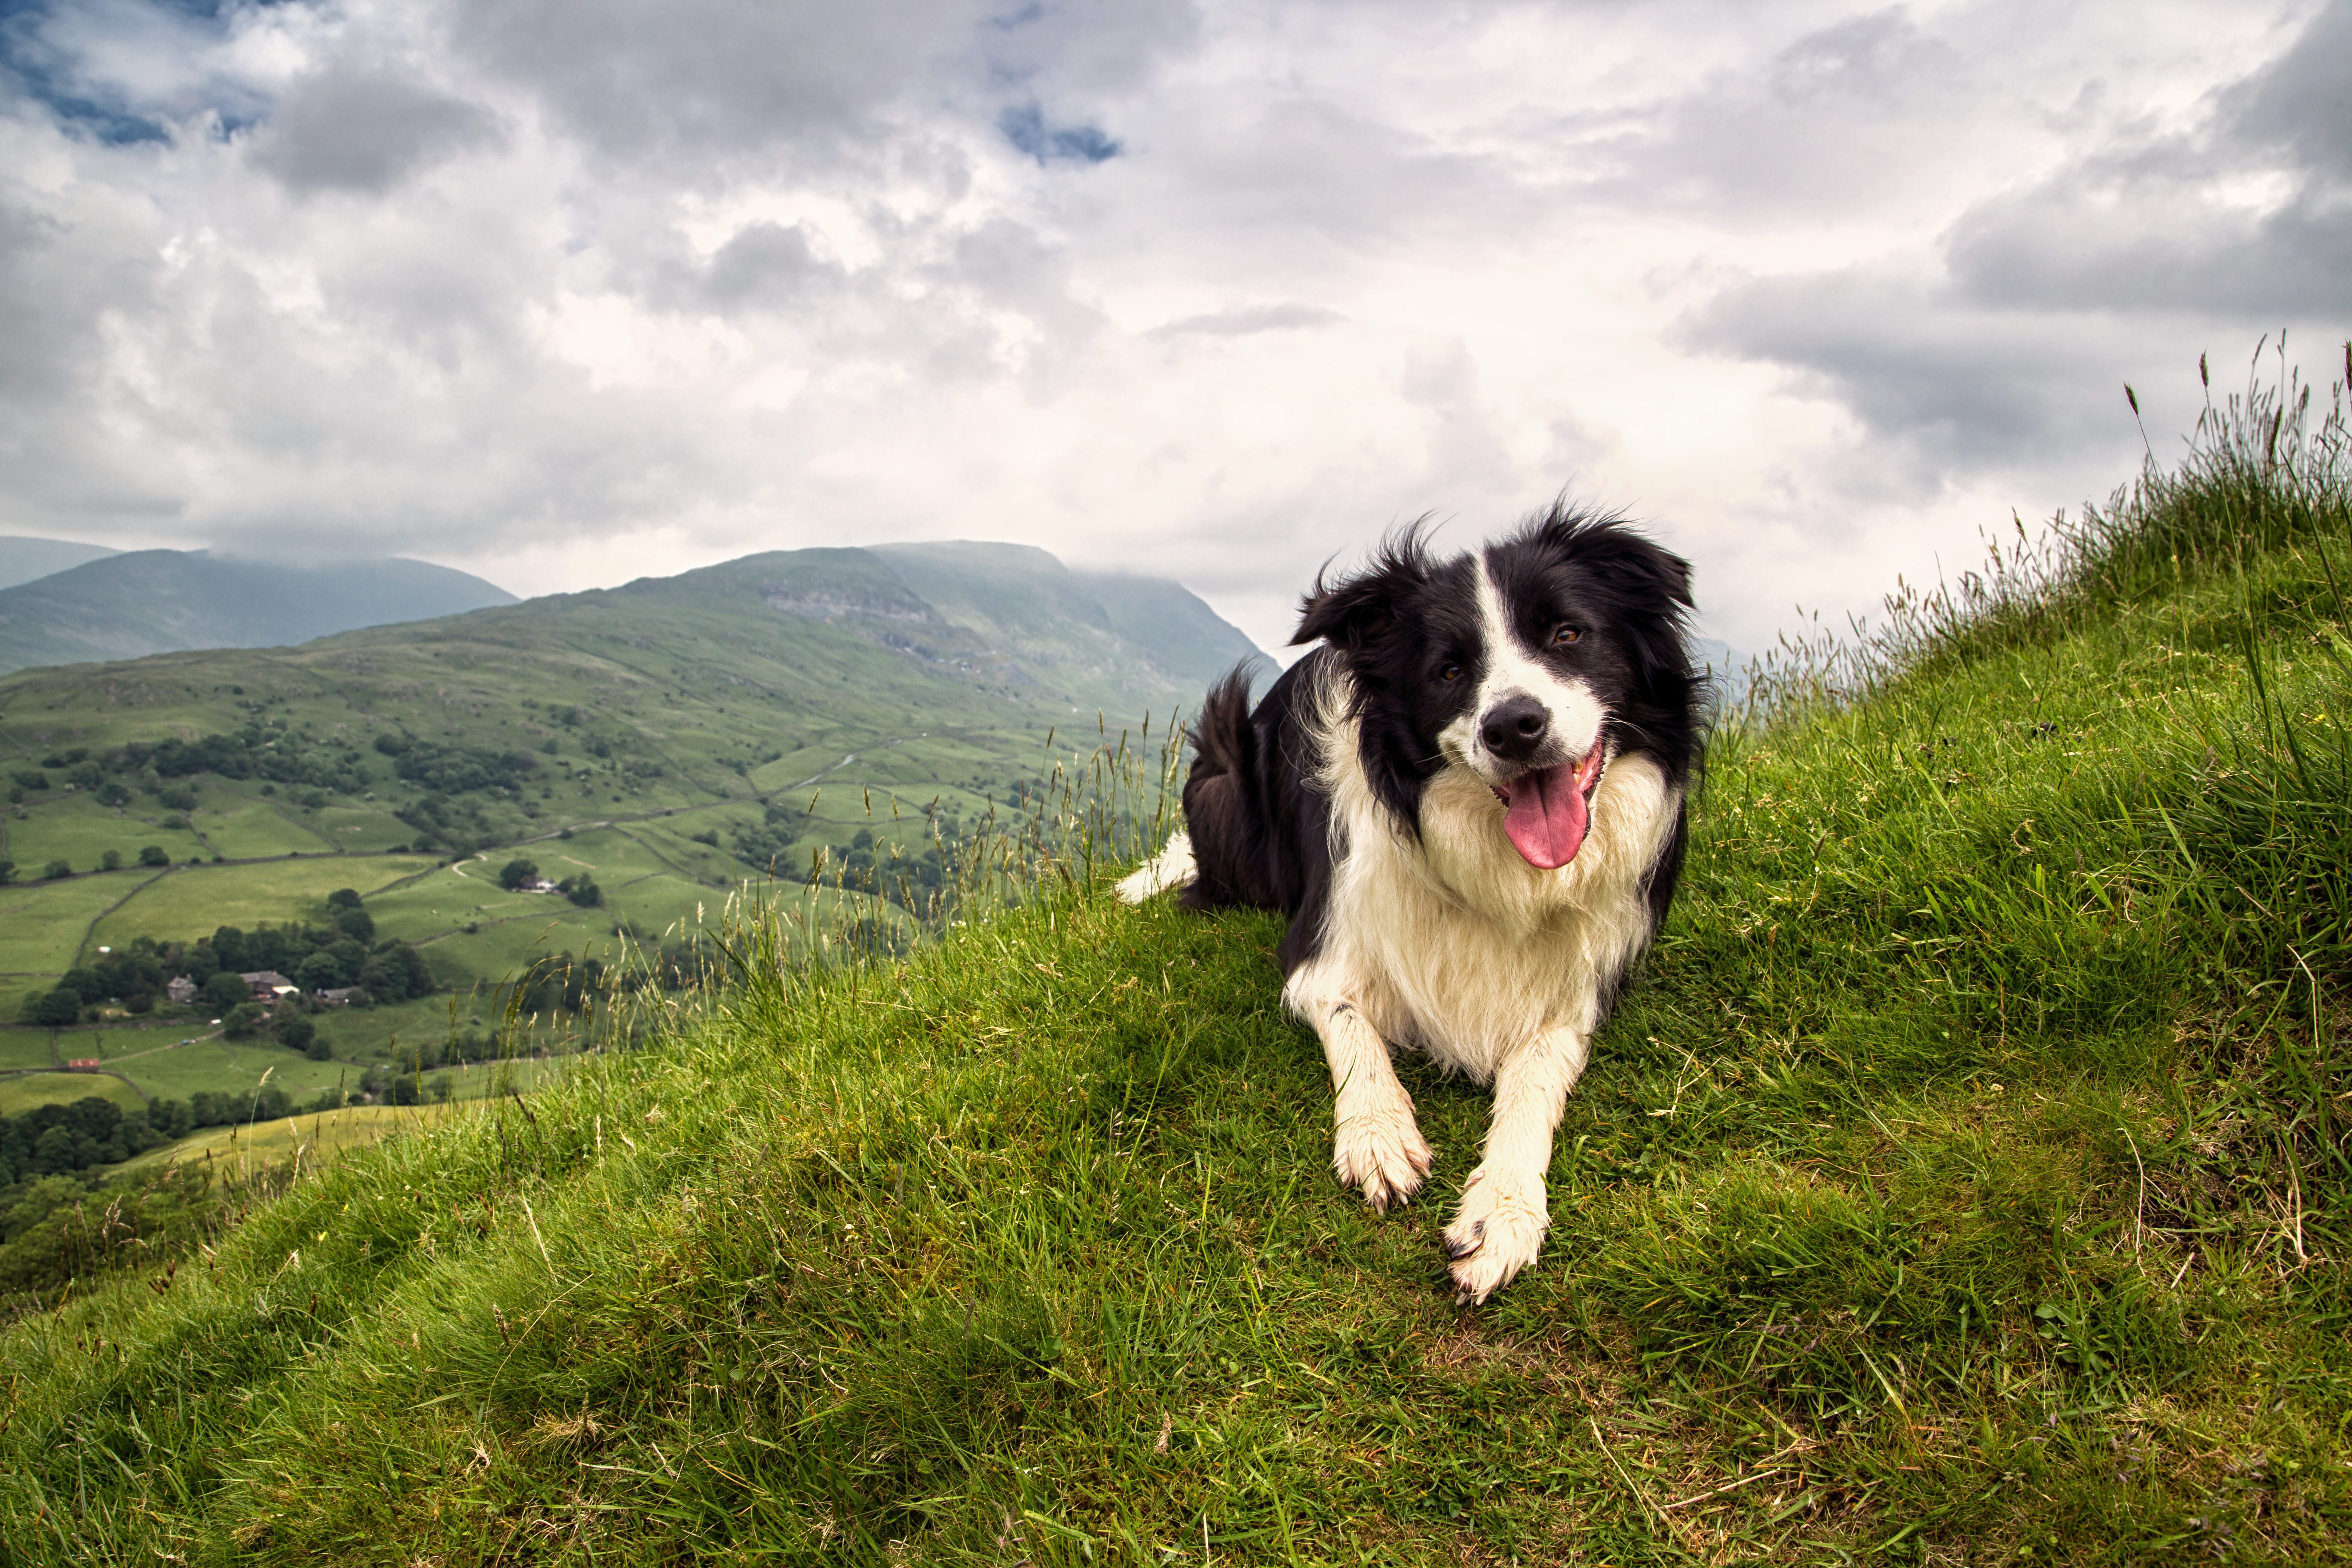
[(24, 558), (146, 602)]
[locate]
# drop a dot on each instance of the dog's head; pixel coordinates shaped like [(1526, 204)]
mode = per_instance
[(1531, 664)]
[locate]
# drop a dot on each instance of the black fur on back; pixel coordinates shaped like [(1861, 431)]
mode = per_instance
[(1260, 828)]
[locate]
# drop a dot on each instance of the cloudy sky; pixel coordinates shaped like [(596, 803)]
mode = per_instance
[(570, 291)]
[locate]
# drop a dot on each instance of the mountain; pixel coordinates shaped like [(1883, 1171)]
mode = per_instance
[(160, 601), (24, 558), (918, 672)]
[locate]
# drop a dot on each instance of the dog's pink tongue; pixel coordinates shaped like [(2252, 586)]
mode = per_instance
[(1546, 816)]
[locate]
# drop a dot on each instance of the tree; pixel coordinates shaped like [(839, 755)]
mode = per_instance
[(55, 1009), (56, 870), (321, 971), (515, 873), (110, 861), (224, 992), (244, 1020), (298, 1033), (154, 855), (7, 872)]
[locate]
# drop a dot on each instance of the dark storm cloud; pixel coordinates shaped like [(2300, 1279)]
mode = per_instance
[(2304, 100), (353, 129), (2163, 227), (1959, 385), (2149, 249)]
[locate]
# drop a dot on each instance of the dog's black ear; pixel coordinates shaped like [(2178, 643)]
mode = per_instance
[(1615, 550), (1356, 611)]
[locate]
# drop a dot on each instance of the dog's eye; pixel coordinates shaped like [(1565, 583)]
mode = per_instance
[(1565, 634), (1449, 673)]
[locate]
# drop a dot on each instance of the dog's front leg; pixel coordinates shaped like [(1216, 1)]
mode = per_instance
[(1505, 1211), (1375, 1143)]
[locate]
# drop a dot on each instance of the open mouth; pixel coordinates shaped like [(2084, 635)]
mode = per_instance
[(1546, 811)]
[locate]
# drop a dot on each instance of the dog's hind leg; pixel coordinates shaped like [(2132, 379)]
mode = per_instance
[(1376, 1144), (1504, 1209), (1171, 867)]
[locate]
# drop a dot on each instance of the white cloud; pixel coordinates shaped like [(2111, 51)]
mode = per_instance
[(572, 293)]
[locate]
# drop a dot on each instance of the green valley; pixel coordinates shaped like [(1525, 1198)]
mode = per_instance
[(651, 749)]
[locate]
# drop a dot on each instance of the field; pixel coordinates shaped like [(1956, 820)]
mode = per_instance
[(22, 1093), (75, 828), (193, 901), (241, 827), (43, 924), (311, 1138)]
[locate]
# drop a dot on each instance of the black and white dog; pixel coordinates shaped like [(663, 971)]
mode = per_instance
[(1470, 801)]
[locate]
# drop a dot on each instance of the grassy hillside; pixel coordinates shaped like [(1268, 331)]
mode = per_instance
[(1962, 1181)]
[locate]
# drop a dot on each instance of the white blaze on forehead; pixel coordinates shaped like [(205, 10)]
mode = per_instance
[(1510, 669)]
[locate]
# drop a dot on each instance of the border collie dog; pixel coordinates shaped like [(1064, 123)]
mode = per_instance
[(1470, 801)]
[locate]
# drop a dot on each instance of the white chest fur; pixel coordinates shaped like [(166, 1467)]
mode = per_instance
[(1453, 942)]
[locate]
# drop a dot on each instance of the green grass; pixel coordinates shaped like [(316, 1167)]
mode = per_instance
[(1962, 1180), (22, 1093), (196, 900), (358, 829), (44, 922), (311, 1137), (73, 828), (241, 826)]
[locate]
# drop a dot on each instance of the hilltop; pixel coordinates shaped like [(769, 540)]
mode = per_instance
[(158, 601), (24, 557)]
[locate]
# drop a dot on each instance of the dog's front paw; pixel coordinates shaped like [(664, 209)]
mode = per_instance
[(1498, 1232), (1381, 1152)]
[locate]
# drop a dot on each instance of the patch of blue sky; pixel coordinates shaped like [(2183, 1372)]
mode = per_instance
[(1025, 127), (56, 54)]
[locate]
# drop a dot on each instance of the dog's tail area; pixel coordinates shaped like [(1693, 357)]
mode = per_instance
[(1224, 749), (1224, 741), (1171, 867)]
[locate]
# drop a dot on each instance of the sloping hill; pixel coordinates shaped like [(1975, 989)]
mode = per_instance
[(1965, 1179), (674, 736), (24, 558), (159, 601)]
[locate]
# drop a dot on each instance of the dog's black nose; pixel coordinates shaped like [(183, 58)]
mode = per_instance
[(1514, 728)]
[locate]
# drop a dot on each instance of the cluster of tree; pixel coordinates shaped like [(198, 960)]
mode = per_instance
[(582, 891), (562, 984), (459, 1050), (456, 770), (907, 881), (111, 860), (56, 1230), (459, 826), (275, 751), (768, 847), (55, 1140), (343, 953)]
